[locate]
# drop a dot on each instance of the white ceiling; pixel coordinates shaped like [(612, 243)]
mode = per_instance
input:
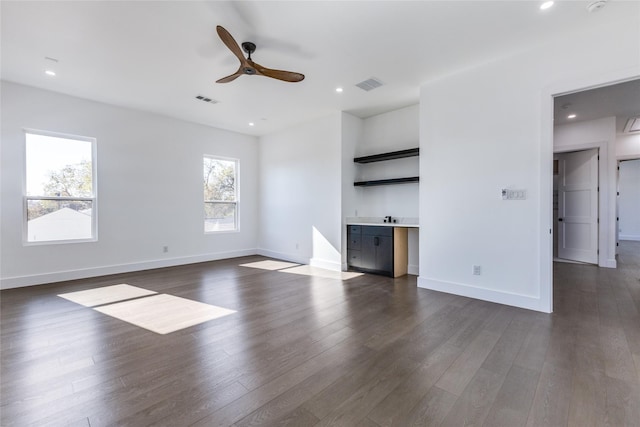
[(620, 100), (157, 56)]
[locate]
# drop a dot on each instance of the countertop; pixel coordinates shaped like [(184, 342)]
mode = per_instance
[(378, 221)]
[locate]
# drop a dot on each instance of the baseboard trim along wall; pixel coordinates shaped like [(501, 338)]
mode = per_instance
[(283, 256), (326, 264), (413, 269), (516, 300), (85, 273), (634, 237)]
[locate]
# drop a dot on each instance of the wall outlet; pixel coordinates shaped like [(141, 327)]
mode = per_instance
[(297, 246), (165, 249), (476, 270)]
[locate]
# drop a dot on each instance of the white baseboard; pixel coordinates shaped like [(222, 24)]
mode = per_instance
[(633, 237), (325, 264), (413, 269), (84, 273), (516, 300), (609, 263), (282, 256)]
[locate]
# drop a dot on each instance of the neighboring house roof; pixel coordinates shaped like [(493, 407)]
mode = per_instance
[(63, 224)]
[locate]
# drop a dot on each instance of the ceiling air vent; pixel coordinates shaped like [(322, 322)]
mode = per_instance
[(369, 84), (633, 125), (206, 99)]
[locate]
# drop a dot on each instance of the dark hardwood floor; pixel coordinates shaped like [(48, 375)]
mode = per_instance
[(305, 351)]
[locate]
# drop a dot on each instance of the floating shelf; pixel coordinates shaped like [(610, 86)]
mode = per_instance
[(412, 152), (387, 181)]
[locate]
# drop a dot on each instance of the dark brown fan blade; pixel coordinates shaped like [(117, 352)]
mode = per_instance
[(287, 76), (232, 77), (231, 43)]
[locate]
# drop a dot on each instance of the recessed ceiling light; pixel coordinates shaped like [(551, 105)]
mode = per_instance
[(50, 72), (571, 116), (546, 5), (338, 89), (251, 124)]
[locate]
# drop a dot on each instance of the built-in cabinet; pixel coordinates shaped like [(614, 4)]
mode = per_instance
[(377, 249)]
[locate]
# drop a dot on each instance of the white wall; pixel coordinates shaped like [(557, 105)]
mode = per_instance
[(601, 134), (629, 202), (300, 190), (489, 127), (352, 130), (392, 131), (149, 189), (627, 146)]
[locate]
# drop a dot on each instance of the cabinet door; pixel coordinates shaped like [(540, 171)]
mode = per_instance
[(368, 252), (354, 258), (377, 253), (384, 254), (353, 242)]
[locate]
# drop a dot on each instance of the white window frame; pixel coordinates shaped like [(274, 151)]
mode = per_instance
[(94, 188), (237, 198)]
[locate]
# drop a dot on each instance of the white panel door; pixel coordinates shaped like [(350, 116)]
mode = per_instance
[(578, 206)]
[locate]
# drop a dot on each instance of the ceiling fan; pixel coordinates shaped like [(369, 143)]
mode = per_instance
[(247, 66)]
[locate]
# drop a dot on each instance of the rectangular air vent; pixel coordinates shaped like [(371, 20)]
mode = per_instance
[(206, 99), (633, 125), (369, 84)]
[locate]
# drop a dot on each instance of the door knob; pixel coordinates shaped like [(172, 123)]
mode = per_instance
[(560, 219)]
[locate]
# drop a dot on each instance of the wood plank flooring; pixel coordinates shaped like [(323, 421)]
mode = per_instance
[(303, 350)]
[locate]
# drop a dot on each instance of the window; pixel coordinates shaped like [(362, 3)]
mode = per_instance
[(220, 194), (60, 196)]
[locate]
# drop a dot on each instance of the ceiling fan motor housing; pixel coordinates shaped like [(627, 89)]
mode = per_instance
[(249, 47)]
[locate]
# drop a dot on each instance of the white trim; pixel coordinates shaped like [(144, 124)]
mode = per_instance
[(62, 135), (413, 269), (60, 276), (627, 157), (325, 264), (635, 237), (516, 300), (283, 256)]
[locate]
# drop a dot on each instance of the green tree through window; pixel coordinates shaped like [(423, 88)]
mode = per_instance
[(220, 194), (60, 197)]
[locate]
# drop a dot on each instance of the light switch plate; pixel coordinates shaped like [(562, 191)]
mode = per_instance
[(508, 194)]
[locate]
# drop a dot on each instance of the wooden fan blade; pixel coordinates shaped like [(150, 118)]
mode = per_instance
[(232, 77), (286, 76), (231, 43)]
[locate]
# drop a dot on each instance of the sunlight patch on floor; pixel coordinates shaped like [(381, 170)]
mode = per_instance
[(159, 313), (106, 295), (163, 313), (269, 265), (308, 270), (305, 270)]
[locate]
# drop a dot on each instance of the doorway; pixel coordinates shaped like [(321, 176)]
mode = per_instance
[(628, 200), (595, 117), (576, 202)]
